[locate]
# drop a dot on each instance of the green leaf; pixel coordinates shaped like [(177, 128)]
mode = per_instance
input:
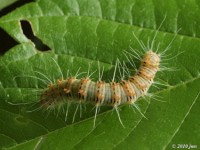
[(84, 32)]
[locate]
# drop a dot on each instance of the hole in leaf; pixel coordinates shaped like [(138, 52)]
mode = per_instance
[(7, 42), (27, 30)]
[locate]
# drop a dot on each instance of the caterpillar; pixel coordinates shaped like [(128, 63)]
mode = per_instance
[(100, 93)]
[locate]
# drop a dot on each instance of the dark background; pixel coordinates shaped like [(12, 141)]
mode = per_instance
[(7, 42)]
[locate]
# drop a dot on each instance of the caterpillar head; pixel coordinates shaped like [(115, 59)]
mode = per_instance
[(151, 59)]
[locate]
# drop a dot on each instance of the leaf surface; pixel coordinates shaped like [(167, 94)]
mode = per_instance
[(81, 32)]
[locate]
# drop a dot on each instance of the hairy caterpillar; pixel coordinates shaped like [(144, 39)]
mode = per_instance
[(113, 93), (102, 93)]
